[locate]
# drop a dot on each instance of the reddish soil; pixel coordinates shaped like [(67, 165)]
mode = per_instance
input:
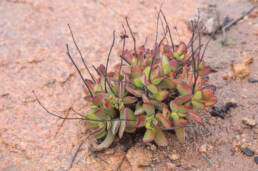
[(33, 35)]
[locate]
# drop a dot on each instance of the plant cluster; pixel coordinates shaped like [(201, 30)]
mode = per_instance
[(159, 89)]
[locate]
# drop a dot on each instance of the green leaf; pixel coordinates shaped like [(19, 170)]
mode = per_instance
[(139, 111), (136, 71), (208, 97), (195, 117), (101, 134), (131, 119), (155, 72), (160, 138), (165, 122), (97, 131), (107, 142), (145, 99), (167, 84), (180, 100), (121, 89), (182, 87), (165, 65), (161, 95), (129, 99), (123, 115), (115, 126), (158, 104), (198, 95), (149, 108), (165, 110), (136, 92), (147, 71), (140, 121), (130, 129), (149, 135), (157, 80), (197, 104), (153, 88), (175, 116), (138, 82)]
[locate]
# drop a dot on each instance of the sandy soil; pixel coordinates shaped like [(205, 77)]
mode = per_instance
[(33, 35)]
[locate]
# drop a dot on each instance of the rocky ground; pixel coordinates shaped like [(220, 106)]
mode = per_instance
[(33, 35)]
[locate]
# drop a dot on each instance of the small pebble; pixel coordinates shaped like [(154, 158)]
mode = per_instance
[(249, 122), (174, 157), (256, 159), (205, 147), (247, 152)]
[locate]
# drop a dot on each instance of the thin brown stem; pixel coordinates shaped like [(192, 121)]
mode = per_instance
[(78, 49), (169, 32), (110, 50), (70, 57), (131, 32)]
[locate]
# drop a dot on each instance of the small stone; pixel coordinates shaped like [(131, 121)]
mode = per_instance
[(151, 146), (205, 147), (171, 166), (247, 151), (241, 69), (256, 159), (208, 18), (249, 122), (174, 156)]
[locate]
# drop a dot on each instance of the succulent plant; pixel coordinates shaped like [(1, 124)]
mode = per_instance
[(158, 89)]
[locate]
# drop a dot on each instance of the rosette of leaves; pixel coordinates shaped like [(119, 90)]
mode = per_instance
[(156, 89)]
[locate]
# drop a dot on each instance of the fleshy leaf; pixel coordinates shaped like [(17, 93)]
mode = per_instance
[(115, 126), (136, 92), (140, 121), (165, 122), (160, 138), (165, 65), (147, 71), (198, 95), (165, 110), (107, 142), (123, 115), (139, 111), (195, 117), (129, 99), (153, 88), (157, 80), (121, 89), (145, 99), (96, 131), (167, 84), (136, 71), (149, 108), (98, 100), (197, 104), (138, 82), (182, 87), (149, 135), (161, 95)]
